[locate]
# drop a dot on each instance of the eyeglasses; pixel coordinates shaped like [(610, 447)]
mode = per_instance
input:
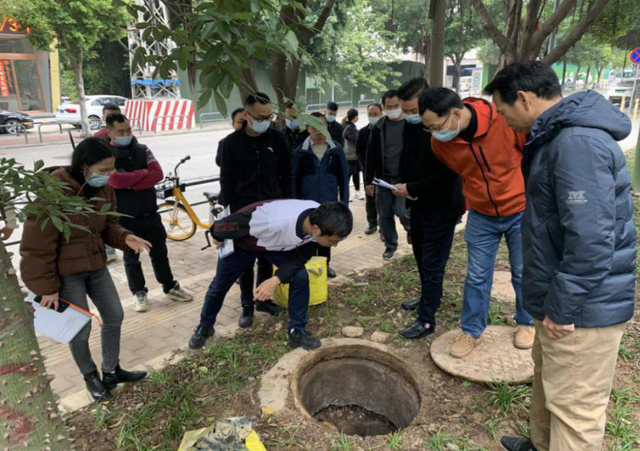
[(439, 127), (268, 118)]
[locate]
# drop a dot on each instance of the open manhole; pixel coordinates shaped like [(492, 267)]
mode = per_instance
[(361, 390)]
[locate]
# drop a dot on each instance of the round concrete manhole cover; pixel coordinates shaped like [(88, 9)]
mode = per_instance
[(494, 360)]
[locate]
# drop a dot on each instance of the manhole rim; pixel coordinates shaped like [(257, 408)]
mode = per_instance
[(324, 353)]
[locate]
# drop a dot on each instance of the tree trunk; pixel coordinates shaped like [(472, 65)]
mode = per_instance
[(439, 10), (426, 52), (600, 69), (586, 81), (457, 70), (575, 79), (76, 65), (249, 86), (564, 70), (29, 417)]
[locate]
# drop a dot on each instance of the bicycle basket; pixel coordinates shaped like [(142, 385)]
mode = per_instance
[(164, 189)]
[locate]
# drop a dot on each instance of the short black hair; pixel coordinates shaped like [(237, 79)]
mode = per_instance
[(391, 93), (377, 105), (318, 114), (257, 97), (333, 218), (288, 104), (332, 106), (439, 100), (111, 107), (89, 152), (116, 117), (352, 114), (236, 112), (411, 89), (527, 76)]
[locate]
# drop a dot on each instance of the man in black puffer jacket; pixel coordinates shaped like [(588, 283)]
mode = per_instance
[(579, 244)]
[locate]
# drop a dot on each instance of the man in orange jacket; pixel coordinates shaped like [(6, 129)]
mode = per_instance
[(473, 140)]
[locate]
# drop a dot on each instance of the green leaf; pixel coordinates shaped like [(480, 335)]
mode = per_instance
[(105, 207), (221, 103), (38, 165), (292, 40), (243, 16), (205, 96)]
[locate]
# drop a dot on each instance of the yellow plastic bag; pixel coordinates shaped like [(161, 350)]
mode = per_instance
[(253, 442), (318, 290)]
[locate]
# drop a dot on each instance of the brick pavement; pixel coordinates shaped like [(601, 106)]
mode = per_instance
[(149, 339)]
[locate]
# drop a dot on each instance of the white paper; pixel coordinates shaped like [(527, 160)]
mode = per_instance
[(383, 184), (227, 246), (61, 327)]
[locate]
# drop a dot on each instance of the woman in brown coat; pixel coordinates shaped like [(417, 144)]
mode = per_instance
[(56, 268)]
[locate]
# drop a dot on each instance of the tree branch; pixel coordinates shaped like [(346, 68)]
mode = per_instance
[(550, 25), (594, 12), (308, 33), (490, 27)]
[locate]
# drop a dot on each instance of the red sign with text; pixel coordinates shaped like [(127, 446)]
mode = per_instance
[(4, 82), (11, 26)]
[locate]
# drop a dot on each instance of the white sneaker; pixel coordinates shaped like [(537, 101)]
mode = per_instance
[(141, 304), (358, 196), (178, 294)]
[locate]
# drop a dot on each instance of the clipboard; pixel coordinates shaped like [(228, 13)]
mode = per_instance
[(61, 327)]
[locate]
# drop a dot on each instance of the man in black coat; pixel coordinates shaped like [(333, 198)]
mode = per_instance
[(434, 198), (374, 112)]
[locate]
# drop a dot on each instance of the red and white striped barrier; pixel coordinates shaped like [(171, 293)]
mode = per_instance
[(160, 115)]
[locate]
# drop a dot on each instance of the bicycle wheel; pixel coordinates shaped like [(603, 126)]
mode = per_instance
[(176, 221)]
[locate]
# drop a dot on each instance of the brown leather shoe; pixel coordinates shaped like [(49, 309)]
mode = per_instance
[(524, 336), (464, 345)]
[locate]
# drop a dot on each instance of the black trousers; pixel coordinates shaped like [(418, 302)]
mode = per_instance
[(324, 252), (372, 212), (431, 243), (148, 228), (265, 271)]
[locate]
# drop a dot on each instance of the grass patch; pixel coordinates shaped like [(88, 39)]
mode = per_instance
[(507, 398)]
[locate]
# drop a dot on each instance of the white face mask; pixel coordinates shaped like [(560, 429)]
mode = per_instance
[(393, 114)]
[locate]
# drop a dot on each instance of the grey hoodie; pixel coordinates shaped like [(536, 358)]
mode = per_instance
[(578, 232)]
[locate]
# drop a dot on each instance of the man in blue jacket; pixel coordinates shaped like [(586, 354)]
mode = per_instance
[(320, 173), (579, 244)]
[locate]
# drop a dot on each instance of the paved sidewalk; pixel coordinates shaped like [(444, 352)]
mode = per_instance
[(149, 339)]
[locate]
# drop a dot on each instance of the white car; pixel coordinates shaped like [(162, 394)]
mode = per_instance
[(70, 112)]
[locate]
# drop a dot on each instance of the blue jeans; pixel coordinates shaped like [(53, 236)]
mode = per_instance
[(233, 266), (483, 235)]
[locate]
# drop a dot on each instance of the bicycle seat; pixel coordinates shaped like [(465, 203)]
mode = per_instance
[(211, 196)]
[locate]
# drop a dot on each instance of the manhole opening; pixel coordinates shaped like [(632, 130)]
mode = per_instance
[(360, 390)]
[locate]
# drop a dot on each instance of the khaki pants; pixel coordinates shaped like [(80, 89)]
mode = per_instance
[(571, 387)]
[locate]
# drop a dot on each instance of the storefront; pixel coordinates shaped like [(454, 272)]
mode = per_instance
[(29, 79)]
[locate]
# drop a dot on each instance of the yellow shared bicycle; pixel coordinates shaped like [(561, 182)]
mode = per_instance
[(178, 218)]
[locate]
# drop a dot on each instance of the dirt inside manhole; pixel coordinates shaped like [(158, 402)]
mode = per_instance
[(360, 390)]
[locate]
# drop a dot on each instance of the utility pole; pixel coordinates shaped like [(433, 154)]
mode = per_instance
[(437, 14)]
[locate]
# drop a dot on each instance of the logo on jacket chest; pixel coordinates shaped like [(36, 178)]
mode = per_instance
[(576, 198)]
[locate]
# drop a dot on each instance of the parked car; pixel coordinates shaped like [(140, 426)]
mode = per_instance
[(621, 88), (13, 122), (70, 112)]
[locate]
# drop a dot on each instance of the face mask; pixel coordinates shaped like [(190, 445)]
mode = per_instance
[(393, 114), (123, 141), (412, 118), (260, 126), (331, 118), (293, 125), (446, 135), (97, 180), (373, 120)]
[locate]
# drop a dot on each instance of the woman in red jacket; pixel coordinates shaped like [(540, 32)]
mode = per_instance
[(56, 268)]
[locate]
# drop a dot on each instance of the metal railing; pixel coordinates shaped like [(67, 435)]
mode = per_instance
[(217, 117), (136, 120), (187, 121), (19, 129), (365, 102), (320, 106), (190, 182)]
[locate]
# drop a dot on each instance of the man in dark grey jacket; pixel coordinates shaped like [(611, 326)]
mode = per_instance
[(579, 251)]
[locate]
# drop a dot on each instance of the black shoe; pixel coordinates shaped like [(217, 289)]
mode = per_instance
[(409, 237), (371, 230), (411, 304), (120, 376), (302, 338), (269, 307), (331, 274), (199, 337), (388, 254), (246, 319), (418, 329), (516, 444), (95, 387)]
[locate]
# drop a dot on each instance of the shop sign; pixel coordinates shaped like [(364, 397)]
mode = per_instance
[(4, 82), (12, 26)]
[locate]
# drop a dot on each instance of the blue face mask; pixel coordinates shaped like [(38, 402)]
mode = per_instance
[(123, 141), (97, 180), (412, 118), (293, 125), (260, 126), (331, 118), (446, 135), (373, 120)]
